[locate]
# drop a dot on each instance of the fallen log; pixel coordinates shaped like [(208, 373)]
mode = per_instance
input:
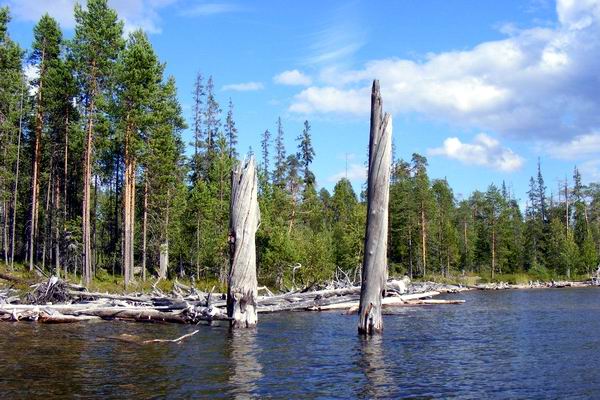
[(12, 278), (142, 314), (386, 301)]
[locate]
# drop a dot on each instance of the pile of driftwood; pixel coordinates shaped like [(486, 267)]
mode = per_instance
[(58, 301)]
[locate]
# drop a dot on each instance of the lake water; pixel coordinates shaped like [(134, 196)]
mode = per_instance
[(499, 344)]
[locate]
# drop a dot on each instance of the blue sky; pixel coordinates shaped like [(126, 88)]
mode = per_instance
[(482, 88)]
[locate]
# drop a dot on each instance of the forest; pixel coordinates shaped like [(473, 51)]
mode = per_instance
[(97, 181)]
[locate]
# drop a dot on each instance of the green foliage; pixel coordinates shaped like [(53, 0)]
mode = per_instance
[(306, 234)]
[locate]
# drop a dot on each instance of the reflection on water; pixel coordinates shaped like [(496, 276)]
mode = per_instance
[(502, 344), (372, 363), (242, 350)]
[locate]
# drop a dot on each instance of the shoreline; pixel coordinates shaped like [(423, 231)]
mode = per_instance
[(416, 287)]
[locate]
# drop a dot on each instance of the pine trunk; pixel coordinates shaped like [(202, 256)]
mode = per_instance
[(35, 180), (374, 269), (87, 186), (129, 208), (493, 250), (423, 240), (244, 221), (145, 229), (16, 193)]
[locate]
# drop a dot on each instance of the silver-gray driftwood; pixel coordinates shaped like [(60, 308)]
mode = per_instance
[(374, 270), (242, 291)]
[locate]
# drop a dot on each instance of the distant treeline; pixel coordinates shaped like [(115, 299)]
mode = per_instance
[(94, 178)]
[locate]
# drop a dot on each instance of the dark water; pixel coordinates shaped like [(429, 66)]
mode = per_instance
[(504, 344)]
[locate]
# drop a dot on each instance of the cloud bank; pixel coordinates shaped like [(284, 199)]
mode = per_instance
[(484, 151), (538, 83)]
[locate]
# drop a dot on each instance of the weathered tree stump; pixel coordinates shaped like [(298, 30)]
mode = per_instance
[(244, 220), (374, 270)]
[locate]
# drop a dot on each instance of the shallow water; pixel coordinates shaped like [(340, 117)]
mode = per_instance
[(499, 344)]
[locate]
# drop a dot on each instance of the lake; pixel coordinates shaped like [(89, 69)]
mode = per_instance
[(499, 344)]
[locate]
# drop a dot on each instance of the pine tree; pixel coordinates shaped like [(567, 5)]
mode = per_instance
[(45, 56), (97, 42), (11, 111), (164, 174), (138, 76), (424, 205)]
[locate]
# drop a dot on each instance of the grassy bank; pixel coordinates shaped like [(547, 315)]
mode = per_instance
[(518, 278), (105, 282)]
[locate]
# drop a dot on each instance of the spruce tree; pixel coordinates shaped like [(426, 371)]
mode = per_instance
[(231, 131), (199, 99), (306, 154), (280, 157)]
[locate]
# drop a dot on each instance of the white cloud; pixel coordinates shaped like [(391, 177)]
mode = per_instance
[(244, 87), (484, 151), (341, 37), (31, 73), (136, 14), (590, 170), (356, 172), (538, 83), (330, 99), (292, 77), (210, 9), (579, 146)]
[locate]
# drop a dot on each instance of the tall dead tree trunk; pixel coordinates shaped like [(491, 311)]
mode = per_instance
[(374, 270), (144, 228), (16, 193), (87, 186), (129, 206), (244, 220), (35, 180)]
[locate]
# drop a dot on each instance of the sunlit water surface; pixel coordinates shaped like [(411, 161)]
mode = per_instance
[(499, 344)]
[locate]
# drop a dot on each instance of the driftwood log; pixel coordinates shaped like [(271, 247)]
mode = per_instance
[(58, 301), (242, 290), (374, 271)]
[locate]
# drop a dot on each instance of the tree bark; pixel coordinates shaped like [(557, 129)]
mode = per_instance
[(374, 269), (244, 221), (87, 183), (144, 229), (423, 240), (35, 184), (129, 207)]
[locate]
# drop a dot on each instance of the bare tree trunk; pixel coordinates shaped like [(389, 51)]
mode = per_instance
[(423, 240), (16, 193), (144, 229), (244, 220), (57, 227), (87, 185), (47, 220), (37, 154), (164, 247), (493, 250), (129, 209), (5, 230), (566, 205), (164, 259), (374, 270), (198, 248)]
